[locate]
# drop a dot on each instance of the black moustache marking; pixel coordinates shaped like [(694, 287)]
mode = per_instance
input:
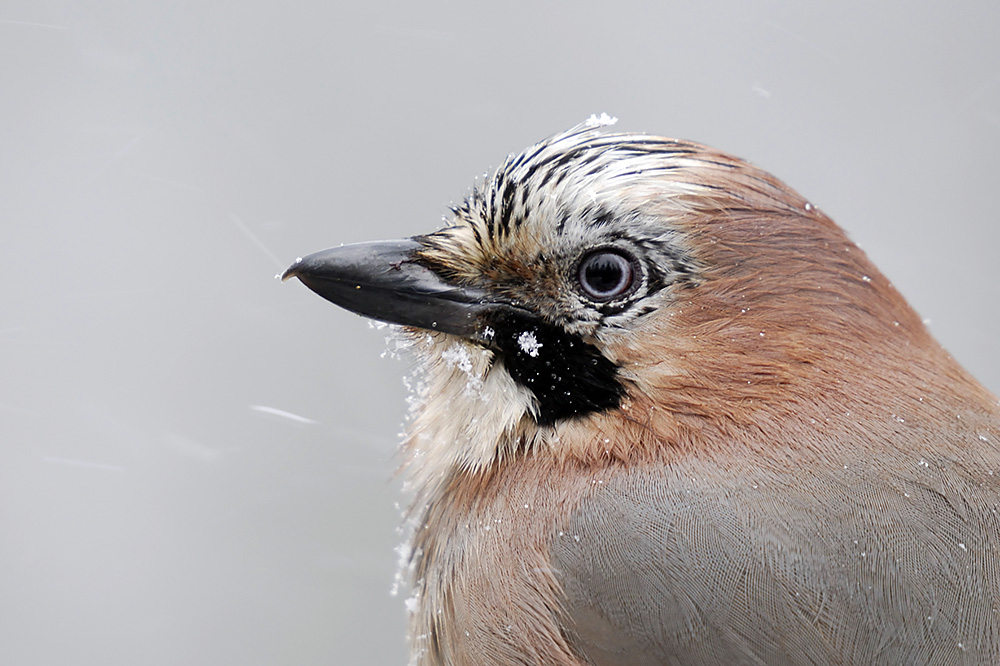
[(567, 376)]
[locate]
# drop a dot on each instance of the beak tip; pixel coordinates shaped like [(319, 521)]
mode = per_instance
[(291, 271)]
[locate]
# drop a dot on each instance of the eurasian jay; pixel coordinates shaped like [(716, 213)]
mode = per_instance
[(672, 415)]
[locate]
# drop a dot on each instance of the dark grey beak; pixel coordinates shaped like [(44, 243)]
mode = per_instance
[(388, 282)]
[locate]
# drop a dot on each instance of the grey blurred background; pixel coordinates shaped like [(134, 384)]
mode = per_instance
[(197, 460)]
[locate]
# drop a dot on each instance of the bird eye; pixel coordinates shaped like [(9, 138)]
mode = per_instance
[(606, 274)]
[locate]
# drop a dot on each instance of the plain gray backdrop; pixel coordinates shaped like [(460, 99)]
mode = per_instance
[(197, 462)]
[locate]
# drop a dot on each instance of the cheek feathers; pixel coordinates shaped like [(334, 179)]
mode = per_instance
[(567, 376)]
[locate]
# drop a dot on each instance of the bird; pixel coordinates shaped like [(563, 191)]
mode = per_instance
[(669, 413)]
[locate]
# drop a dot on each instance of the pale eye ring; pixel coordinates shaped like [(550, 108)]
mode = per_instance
[(606, 274)]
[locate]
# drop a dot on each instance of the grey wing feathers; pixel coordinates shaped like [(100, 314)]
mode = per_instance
[(865, 566)]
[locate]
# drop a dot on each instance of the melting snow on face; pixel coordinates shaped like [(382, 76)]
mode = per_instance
[(458, 356), (403, 553), (528, 343)]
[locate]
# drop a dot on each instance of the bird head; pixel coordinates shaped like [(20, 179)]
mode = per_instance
[(614, 296)]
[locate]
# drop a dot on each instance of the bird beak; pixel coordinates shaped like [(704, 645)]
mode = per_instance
[(387, 281)]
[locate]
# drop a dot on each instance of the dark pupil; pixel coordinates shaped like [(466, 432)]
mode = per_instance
[(605, 273)]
